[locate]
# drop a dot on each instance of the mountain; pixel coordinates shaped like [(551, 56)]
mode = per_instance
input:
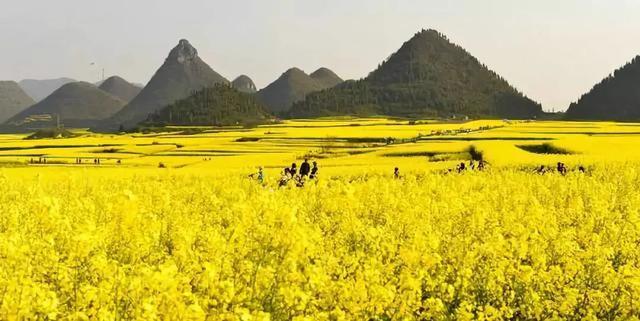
[(182, 73), (40, 89), (12, 99), (218, 105), (77, 104), (120, 88), (290, 87), (427, 77), (244, 84), (617, 97), (326, 78), (135, 84)]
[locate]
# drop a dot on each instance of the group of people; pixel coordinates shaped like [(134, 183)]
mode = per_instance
[(78, 160), (561, 168), (481, 165), (41, 160), (96, 161), (306, 172), (299, 177)]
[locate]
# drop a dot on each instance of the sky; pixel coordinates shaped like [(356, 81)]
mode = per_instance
[(552, 50)]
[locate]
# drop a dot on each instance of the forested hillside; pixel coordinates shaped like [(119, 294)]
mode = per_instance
[(617, 97), (218, 105), (428, 77)]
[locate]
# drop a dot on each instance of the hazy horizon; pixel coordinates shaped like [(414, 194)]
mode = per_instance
[(553, 52)]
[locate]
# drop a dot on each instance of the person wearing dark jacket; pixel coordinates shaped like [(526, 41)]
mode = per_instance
[(305, 168)]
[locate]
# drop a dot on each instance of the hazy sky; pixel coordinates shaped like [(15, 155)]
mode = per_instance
[(552, 50)]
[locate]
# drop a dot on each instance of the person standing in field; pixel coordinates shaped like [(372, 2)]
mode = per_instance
[(481, 165), (299, 180), (293, 170), (314, 171), (396, 173), (259, 176), (305, 168), (286, 176), (562, 168)]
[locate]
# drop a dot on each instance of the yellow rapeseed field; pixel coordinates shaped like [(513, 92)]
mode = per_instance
[(200, 240)]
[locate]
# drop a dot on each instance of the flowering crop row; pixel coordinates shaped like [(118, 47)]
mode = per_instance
[(502, 244)]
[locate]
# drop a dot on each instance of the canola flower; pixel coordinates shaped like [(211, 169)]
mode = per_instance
[(502, 244)]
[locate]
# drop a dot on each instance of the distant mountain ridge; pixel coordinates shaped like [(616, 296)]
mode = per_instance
[(76, 104), (182, 73), (12, 100), (293, 86), (427, 77), (40, 89), (616, 97)]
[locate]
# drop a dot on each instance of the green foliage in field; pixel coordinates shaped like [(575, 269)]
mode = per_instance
[(217, 105), (51, 133)]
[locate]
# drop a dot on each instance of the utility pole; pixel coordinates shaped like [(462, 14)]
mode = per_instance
[(103, 74)]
